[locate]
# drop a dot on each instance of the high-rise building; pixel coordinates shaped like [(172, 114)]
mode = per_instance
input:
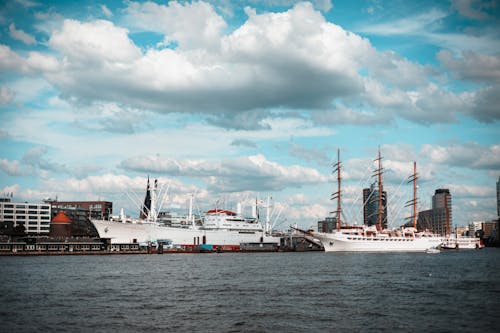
[(498, 197), (442, 200), (439, 218), (370, 206)]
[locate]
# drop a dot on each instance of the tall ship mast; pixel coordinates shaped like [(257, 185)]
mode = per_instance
[(378, 173), (413, 203), (373, 238), (337, 195)]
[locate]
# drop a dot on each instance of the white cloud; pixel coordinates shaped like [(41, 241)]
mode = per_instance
[(281, 61), (6, 95), (9, 60), (251, 173), (471, 191), (20, 35), (472, 66), (469, 155), (12, 168), (191, 25), (99, 42)]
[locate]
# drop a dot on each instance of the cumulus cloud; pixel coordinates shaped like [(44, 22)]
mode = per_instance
[(472, 66), (247, 173), (95, 41), (12, 168), (20, 35), (267, 62), (36, 62), (471, 191), (469, 155), (273, 61), (190, 25)]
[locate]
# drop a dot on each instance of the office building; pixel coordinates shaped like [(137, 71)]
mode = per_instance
[(438, 219), (101, 210), (371, 206), (327, 225), (33, 217)]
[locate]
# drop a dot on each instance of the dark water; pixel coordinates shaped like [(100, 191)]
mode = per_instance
[(269, 292)]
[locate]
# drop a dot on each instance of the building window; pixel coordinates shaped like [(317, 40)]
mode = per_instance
[(32, 207), (20, 212), (32, 212), (33, 217)]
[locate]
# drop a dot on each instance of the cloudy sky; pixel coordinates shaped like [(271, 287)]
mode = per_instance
[(229, 100)]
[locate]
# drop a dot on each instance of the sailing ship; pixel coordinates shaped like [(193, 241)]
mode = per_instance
[(374, 238), (219, 228)]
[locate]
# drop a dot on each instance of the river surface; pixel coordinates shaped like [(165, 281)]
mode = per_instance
[(453, 291)]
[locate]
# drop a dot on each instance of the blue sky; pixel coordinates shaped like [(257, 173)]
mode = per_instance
[(233, 100)]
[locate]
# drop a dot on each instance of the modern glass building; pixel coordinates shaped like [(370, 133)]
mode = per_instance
[(370, 206)]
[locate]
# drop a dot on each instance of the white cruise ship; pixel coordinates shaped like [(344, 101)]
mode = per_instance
[(368, 239), (373, 238), (220, 228)]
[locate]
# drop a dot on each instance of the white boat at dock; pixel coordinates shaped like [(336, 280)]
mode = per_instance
[(373, 238), (221, 228)]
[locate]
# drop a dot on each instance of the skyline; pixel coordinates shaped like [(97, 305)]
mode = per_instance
[(233, 100)]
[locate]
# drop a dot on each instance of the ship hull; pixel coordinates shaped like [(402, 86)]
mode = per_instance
[(338, 242), (120, 233)]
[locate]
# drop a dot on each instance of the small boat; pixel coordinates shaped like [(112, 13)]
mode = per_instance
[(433, 250)]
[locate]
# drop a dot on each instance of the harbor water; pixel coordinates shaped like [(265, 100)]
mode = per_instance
[(453, 291)]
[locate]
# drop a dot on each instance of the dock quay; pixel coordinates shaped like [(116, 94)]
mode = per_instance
[(34, 246)]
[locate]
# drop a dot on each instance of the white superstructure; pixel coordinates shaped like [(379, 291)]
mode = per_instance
[(368, 239), (462, 243), (218, 227)]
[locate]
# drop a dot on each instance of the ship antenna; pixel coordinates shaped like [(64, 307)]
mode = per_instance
[(337, 195)]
